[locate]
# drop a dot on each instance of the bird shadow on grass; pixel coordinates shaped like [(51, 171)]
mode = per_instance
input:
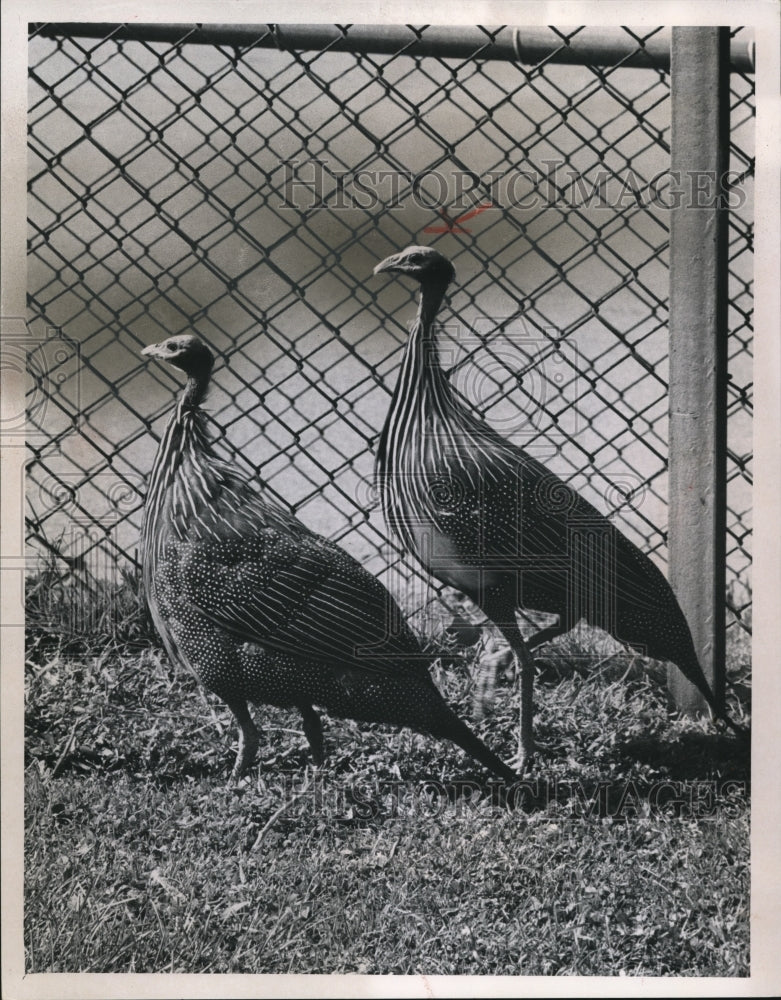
[(694, 774), (692, 756)]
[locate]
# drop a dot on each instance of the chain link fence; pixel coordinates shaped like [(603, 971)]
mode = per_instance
[(245, 191)]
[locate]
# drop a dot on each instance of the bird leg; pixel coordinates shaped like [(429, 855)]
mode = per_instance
[(248, 738), (313, 730), (486, 682), (526, 734), (525, 660), (500, 608)]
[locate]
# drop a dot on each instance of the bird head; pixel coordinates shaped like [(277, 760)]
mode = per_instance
[(185, 351), (425, 264)]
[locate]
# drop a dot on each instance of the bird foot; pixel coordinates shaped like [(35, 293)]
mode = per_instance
[(522, 759), (235, 777), (239, 777), (248, 748)]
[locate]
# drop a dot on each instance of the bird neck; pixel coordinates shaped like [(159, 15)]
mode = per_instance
[(431, 296), (194, 392), (184, 437), (421, 364), (422, 383), (422, 370)]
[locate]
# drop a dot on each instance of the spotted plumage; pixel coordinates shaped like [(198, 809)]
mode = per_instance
[(264, 610), (485, 517)]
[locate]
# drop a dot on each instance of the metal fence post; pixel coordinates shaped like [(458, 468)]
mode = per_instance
[(698, 347)]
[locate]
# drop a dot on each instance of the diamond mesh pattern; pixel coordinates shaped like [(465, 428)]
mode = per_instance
[(246, 193)]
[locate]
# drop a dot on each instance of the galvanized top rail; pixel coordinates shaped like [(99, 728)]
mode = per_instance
[(591, 46)]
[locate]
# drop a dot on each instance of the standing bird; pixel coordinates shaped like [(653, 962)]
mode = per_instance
[(486, 518), (264, 610)]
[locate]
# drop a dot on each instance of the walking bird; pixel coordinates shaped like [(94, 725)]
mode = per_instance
[(264, 610), (484, 517)]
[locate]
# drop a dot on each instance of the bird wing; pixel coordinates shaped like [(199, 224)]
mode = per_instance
[(506, 504), (556, 521), (284, 587)]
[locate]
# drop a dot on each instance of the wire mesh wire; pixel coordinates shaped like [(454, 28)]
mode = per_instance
[(245, 193)]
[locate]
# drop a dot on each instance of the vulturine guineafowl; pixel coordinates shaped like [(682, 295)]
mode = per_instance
[(264, 610), (485, 517)]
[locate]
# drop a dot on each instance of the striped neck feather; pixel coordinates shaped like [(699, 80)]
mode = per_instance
[(190, 488), (423, 402)]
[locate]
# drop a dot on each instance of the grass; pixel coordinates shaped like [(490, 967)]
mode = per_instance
[(627, 853)]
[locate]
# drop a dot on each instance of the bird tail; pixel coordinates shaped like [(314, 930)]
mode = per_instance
[(450, 727), (692, 670)]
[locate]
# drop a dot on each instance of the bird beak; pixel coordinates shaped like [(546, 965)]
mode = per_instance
[(389, 264), (153, 351)]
